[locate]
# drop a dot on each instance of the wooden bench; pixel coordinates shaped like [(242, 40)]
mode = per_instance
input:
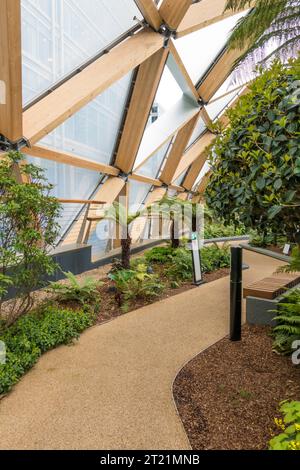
[(273, 286)]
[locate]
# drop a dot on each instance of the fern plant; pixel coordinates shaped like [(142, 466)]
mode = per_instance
[(287, 329), (271, 29), (132, 284), (85, 292)]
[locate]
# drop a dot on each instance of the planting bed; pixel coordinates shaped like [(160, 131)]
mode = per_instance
[(228, 395)]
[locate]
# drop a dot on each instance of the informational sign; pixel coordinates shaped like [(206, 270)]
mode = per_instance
[(286, 249), (198, 279)]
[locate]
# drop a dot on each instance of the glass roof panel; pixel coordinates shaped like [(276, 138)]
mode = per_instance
[(99, 239), (137, 194), (218, 106), (202, 173), (199, 49), (152, 166), (92, 132), (168, 92), (179, 180), (199, 129), (60, 35), (69, 183)]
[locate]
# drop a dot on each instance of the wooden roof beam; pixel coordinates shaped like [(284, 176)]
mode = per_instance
[(202, 14), (178, 148), (145, 88), (218, 74), (48, 113), (194, 171), (150, 13), (173, 11), (46, 153), (193, 153), (10, 70), (145, 179)]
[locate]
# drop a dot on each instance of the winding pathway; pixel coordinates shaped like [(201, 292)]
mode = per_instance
[(113, 389)]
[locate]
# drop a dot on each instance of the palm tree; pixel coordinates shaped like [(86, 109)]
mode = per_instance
[(119, 214), (272, 24)]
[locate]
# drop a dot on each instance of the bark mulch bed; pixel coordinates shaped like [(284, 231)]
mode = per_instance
[(110, 308), (228, 395)]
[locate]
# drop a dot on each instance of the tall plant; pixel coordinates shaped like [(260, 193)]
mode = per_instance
[(119, 214), (28, 228), (255, 160)]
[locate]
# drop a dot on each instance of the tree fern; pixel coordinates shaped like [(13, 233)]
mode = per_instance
[(271, 29)]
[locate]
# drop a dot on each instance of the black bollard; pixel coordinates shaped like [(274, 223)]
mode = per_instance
[(236, 293)]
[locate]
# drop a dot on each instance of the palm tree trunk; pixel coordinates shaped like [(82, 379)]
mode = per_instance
[(126, 251), (174, 239)]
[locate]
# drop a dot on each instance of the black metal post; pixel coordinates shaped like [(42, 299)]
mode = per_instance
[(236, 293)]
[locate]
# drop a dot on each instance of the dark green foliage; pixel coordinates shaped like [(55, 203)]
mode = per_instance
[(255, 161), (287, 329), (181, 267), (27, 229), (214, 257), (84, 292), (35, 333), (219, 230), (159, 254), (294, 265), (267, 238), (133, 284)]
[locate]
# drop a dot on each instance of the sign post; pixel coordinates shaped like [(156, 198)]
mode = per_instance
[(196, 257)]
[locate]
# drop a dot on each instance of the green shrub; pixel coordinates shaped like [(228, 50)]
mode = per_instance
[(219, 230), (289, 438), (214, 257), (294, 265), (255, 159), (181, 267), (84, 292), (287, 329), (28, 228), (34, 334), (135, 284), (160, 254)]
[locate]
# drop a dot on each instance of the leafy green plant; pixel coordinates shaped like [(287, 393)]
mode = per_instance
[(294, 265), (160, 254), (215, 257), (135, 284), (255, 161), (218, 230), (287, 329), (33, 334), (85, 292), (28, 229), (289, 438), (181, 268)]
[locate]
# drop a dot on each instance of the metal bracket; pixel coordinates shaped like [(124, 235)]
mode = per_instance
[(124, 176), (7, 145), (168, 34), (202, 102)]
